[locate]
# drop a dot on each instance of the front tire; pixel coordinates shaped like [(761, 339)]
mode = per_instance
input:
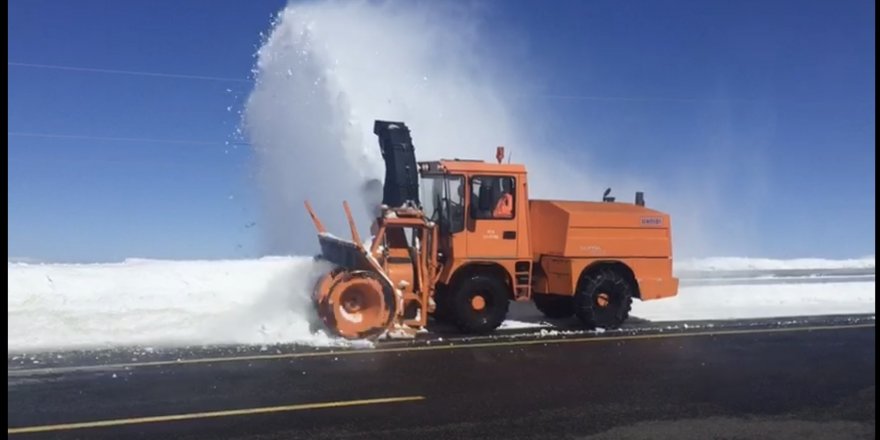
[(479, 304), (603, 299)]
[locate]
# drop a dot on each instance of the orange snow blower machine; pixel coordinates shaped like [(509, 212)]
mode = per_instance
[(458, 240)]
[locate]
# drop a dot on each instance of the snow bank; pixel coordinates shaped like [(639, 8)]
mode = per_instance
[(760, 301), (758, 264), (167, 303), (266, 301)]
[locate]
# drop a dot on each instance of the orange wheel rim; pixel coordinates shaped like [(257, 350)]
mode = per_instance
[(602, 299), (478, 303)]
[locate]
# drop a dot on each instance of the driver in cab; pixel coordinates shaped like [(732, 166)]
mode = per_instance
[(504, 206)]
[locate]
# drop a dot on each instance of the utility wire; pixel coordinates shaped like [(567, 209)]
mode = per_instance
[(117, 139), (218, 78), (636, 99), (127, 72)]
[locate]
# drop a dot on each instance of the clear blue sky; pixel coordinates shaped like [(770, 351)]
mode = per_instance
[(780, 91)]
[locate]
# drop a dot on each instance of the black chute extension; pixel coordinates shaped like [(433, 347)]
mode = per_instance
[(401, 175)]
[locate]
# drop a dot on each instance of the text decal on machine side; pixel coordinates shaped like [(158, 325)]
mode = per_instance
[(652, 221)]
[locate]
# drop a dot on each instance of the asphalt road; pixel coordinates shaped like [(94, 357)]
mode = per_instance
[(810, 379)]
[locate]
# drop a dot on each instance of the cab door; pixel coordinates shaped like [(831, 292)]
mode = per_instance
[(491, 217)]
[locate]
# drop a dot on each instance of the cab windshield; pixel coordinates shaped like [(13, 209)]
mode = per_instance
[(442, 199)]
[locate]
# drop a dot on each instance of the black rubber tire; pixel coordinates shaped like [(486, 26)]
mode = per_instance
[(496, 297), (554, 306), (619, 291)]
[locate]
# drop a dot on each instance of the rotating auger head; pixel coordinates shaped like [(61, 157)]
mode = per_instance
[(354, 304), (355, 300)]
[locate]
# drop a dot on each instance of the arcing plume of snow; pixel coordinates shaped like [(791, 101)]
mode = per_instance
[(266, 301), (327, 70)]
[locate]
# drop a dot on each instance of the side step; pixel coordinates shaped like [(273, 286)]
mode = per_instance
[(522, 280)]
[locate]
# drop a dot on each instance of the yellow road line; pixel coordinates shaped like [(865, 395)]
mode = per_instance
[(204, 415), (462, 346)]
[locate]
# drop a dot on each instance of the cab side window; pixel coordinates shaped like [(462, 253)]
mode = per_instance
[(492, 197)]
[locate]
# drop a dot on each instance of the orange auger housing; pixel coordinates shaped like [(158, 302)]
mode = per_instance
[(371, 289), (464, 241)]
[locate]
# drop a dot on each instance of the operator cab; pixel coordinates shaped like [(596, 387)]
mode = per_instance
[(448, 196), (478, 206)]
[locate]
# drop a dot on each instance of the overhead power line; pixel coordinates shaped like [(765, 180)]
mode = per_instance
[(127, 72), (228, 79), (117, 139), (637, 99)]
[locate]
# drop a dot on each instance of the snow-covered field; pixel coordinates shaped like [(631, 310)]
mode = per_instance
[(177, 303)]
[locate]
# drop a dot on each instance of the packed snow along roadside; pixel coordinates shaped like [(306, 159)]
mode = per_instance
[(766, 264), (163, 303), (760, 301), (735, 302), (513, 324), (266, 301)]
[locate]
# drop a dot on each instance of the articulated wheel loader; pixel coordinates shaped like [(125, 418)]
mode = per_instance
[(457, 240)]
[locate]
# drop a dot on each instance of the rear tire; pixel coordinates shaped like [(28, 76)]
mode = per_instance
[(554, 306), (603, 299), (479, 304)]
